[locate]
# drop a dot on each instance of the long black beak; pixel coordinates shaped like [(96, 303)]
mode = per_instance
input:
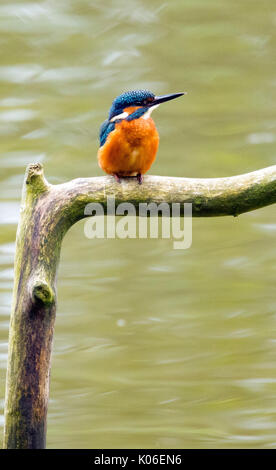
[(162, 99)]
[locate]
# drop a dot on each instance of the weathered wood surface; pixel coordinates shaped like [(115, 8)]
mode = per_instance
[(47, 212)]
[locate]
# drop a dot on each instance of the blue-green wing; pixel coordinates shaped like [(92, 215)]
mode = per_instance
[(105, 129)]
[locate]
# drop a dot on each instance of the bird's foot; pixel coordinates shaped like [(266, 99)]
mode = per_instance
[(139, 178), (117, 177)]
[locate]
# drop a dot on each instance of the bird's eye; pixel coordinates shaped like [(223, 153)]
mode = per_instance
[(147, 101)]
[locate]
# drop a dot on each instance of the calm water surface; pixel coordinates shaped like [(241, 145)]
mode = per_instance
[(154, 347)]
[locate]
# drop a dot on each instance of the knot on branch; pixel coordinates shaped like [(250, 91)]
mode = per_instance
[(34, 177), (41, 291)]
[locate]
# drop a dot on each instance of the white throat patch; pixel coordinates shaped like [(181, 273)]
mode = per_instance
[(125, 114), (149, 111)]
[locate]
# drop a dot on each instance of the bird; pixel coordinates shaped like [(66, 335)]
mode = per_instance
[(128, 138)]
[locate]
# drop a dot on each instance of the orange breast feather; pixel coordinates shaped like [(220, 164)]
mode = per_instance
[(131, 148)]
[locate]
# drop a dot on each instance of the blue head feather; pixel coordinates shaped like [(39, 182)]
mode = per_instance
[(130, 98)]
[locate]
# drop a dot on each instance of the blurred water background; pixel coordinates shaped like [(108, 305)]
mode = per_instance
[(153, 347)]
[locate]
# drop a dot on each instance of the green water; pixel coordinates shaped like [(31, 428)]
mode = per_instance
[(154, 347)]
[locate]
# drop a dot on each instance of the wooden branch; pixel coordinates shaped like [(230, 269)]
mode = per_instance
[(47, 212)]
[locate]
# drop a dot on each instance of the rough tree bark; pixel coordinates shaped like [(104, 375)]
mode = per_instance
[(47, 212)]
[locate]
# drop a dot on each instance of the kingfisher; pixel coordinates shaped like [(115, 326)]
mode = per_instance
[(128, 138)]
